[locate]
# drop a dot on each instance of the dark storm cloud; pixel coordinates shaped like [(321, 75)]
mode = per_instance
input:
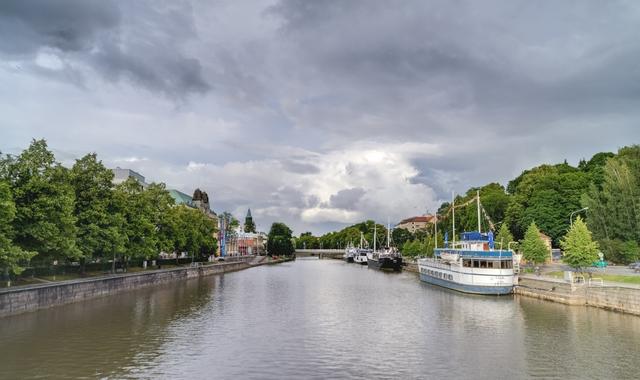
[(68, 25), (346, 199), (502, 62), (119, 40), (322, 112)]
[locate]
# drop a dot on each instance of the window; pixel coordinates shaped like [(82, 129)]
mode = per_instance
[(476, 264), (466, 263), (507, 264), (483, 264)]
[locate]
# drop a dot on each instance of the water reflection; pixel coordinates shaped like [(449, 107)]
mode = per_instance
[(317, 319)]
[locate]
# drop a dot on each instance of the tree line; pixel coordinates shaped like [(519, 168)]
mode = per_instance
[(50, 213), (541, 199)]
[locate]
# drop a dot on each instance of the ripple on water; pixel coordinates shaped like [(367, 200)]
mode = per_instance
[(317, 320)]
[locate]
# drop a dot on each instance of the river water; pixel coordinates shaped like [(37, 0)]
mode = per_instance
[(317, 319)]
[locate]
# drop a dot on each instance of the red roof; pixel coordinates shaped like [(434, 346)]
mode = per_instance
[(418, 219)]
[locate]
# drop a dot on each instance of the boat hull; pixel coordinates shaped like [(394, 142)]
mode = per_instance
[(473, 289), (348, 259), (385, 263)]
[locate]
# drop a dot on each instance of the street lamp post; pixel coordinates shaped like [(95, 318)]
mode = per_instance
[(575, 212)]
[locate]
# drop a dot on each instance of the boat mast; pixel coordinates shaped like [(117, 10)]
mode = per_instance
[(361, 238), (453, 210), (478, 199), (435, 230), (388, 233), (375, 236)]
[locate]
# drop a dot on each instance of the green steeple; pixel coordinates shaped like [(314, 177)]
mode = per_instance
[(249, 225)]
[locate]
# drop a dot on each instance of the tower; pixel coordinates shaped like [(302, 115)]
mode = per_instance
[(249, 225)]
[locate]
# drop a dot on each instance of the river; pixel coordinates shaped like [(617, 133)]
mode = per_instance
[(317, 319)]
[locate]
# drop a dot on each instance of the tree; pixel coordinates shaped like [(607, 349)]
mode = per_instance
[(193, 232), (44, 200), (546, 194), (532, 247), (137, 221), (614, 205), (414, 248), (11, 256), (580, 251), (279, 240), (307, 241), (400, 236), (98, 227), (504, 237)]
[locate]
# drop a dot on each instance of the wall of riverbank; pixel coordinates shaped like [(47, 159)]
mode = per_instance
[(34, 297), (611, 297)]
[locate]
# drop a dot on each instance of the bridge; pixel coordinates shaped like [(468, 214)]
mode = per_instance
[(320, 253)]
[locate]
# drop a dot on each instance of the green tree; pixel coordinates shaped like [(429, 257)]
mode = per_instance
[(580, 251), (307, 241), (400, 236), (11, 256), (618, 251), (504, 237), (533, 247), (546, 194), (98, 227), (137, 221), (279, 240), (414, 248), (44, 201), (614, 205)]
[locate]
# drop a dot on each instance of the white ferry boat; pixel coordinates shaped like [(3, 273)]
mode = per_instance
[(472, 265), (361, 256)]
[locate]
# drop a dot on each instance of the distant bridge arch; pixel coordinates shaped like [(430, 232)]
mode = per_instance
[(320, 253)]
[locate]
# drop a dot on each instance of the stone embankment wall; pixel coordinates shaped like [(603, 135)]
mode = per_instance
[(618, 298), (30, 298)]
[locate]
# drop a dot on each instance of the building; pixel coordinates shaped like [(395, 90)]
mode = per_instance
[(416, 223), (181, 198), (249, 225), (120, 175), (246, 243)]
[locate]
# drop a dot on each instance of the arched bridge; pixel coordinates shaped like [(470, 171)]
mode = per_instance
[(320, 253)]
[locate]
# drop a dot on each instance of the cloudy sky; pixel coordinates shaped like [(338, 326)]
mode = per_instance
[(321, 113)]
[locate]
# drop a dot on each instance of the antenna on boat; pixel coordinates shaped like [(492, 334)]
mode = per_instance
[(453, 210), (478, 199)]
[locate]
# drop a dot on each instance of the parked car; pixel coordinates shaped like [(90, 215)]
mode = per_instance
[(635, 265)]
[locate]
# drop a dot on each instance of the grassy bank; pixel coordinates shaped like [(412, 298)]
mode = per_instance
[(606, 277)]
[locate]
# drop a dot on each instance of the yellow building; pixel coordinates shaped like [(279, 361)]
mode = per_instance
[(416, 223)]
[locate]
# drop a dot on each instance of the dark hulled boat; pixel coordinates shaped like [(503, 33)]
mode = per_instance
[(385, 261)]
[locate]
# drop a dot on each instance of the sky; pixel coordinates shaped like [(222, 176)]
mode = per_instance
[(319, 113)]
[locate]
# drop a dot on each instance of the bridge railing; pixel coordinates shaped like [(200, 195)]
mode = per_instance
[(319, 250)]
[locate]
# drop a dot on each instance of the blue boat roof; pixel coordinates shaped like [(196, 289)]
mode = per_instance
[(506, 254), (474, 236)]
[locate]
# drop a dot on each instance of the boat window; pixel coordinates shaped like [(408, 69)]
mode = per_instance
[(507, 264), (466, 263), (490, 264), (476, 264), (483, 264)]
